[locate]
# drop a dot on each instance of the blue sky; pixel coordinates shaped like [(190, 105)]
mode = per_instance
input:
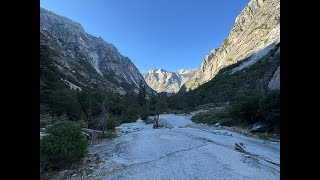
[(168, 34)]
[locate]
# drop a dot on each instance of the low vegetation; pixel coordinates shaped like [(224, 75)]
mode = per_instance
[(246, 109), (63, 146)]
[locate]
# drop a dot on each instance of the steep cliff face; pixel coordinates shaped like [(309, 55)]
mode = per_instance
[(163, 81), (89, 61), (255, 33)]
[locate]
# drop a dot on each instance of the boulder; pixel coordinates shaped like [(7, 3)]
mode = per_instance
[(217, 125)]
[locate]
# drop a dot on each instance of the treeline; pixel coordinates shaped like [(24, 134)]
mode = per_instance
[(246, 109)]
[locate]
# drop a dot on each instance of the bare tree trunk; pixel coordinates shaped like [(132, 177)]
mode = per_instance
[(89, 111), (157, 121), (104, 117)]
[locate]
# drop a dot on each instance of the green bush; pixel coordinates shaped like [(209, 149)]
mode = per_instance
[(83, 123), (132, 113), (173, 111), (214, 116), (63, 146), (245, 107), (204, 117), (124, 119), (228, 122), (269, 108), (144, 115), (111, 124), (186, 110), (250, 107), (46, 119)]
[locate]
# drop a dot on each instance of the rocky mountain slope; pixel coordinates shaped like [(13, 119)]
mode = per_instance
[(85, 60), (163, 81), (255, 33)]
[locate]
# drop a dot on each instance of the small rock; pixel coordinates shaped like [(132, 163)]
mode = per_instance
[(217, 125), (73, 175)]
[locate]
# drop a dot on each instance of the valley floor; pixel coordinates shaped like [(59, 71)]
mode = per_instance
[(183, 150)]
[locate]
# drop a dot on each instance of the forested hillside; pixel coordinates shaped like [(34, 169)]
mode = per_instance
[(83, 104)]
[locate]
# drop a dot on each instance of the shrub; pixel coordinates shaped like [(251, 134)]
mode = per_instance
[(83, 123), (125, 120), (63, 146), (249, 108), (144, 115), (204, 117), (228, 122), (46, 119), (111, 124), (245, 107), (132, 113), (186, 110), (269, 107), (111, 134), (214, 116)]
